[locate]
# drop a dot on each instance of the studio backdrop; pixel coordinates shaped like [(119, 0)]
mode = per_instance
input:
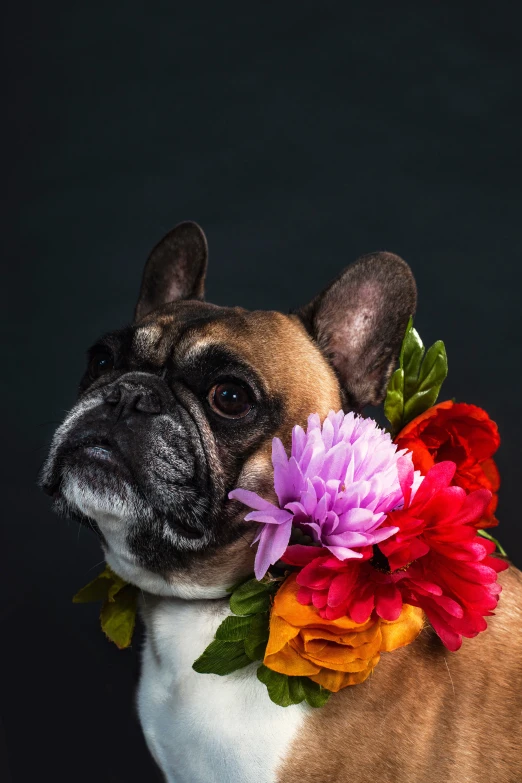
[(299, 136)]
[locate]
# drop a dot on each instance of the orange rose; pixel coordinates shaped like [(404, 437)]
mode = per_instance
[(333, 653), (463, 434)]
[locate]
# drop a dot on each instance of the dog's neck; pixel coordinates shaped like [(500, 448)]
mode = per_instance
[(202, 727), (183, 587)]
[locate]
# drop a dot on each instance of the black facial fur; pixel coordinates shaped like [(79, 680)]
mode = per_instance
[(148, 427)]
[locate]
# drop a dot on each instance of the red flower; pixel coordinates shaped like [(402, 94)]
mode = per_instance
[(336, 588), (455, 580), (440, 517), (455, 595), (463, 434)]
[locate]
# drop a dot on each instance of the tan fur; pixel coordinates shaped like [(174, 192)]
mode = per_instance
[(426, 715), (266, 340), (307, 384), (225, 566)]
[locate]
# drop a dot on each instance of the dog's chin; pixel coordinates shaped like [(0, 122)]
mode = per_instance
[(117, 512), (114, 509), (174, 585)]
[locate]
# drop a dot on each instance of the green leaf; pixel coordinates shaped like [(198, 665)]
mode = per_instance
[(276, 685), (106, 585), (415, 386), (255, 642), (222, 658), (285, 690), (433, 372), (97, 590), (412, 351), (234, 629), (117, 584), (434, 367), (499, 546), (118, 612), (118, 616), (315, 694), (238, 584), (251, 598), (394, 402), (296, 689)]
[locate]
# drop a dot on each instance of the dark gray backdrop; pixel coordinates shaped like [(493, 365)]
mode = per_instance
[(299, 136)]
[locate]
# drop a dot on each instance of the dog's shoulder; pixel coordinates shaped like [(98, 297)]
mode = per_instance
[(426, 713), (509, 611)]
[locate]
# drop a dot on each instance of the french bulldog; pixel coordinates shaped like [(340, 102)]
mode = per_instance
[(180, 408)]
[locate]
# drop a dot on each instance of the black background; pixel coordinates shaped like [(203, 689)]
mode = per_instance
[(299, 135)]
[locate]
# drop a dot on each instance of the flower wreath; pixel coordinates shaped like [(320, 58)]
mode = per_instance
[(374, 533)]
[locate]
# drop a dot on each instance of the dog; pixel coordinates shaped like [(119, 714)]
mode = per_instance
[(180, 408)]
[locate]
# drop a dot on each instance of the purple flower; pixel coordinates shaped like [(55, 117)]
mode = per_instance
[(338, 485)]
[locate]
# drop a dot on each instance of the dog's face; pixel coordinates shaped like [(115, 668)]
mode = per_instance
[(180, 408)]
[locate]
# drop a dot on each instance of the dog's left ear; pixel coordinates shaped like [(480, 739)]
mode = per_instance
[(359, 322), (175, 269)]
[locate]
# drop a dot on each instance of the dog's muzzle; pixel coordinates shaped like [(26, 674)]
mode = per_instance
[(132, 443)]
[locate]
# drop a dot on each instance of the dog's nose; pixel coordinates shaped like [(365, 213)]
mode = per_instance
[(132, 398)]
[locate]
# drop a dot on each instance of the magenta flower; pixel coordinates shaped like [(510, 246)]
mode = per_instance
[(338, 485)]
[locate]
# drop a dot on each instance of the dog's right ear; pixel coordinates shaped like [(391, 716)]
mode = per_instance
[(174, 270)]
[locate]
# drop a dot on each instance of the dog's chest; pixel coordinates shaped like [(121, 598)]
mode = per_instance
[(203, 728)]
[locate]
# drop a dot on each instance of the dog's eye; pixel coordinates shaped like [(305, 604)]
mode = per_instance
[(100, 363), (230, 399)]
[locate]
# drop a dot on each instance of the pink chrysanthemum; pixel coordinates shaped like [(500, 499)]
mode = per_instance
[(338, 485)]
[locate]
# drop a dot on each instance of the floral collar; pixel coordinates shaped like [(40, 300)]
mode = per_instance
[(375, 532)]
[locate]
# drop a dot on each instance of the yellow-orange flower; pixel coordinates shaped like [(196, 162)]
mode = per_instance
[(333, 653)]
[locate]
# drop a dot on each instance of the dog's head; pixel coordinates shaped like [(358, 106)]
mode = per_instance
[(181, 407)]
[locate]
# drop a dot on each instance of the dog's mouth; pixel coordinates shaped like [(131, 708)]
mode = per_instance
[(100, 462), (89, 453)]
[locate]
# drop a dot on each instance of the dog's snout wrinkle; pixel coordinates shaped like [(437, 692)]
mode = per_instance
[(112, 394), (129, 398)]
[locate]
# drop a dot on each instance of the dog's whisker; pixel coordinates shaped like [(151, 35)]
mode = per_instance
[(449, 673), (96, 565)]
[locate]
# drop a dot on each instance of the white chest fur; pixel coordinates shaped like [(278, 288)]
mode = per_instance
[(202, 728)]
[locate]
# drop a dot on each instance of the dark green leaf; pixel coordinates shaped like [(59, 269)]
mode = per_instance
[(285, 690), (234, 629), (222, 658), (315, 695), (499, 546), (238, 584), (277, 686), (251, 598), (419, 403), (412, 352), (255, 642), (433, 372), (296, 689), (415, 386), (434, 367), (409, 327), (118, 616)]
